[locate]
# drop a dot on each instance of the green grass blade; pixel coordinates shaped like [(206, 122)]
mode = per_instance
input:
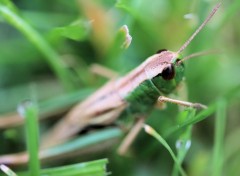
[(7, 170), (86, 168), (30, 112), (197, 118), (90, 168), (53, 59), (83, 142), (218, 155), (184, 141), (153, 133)]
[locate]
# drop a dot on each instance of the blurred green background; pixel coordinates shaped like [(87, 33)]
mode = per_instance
[(47, 48)]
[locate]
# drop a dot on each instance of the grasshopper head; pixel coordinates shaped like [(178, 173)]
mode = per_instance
[(165, 71)]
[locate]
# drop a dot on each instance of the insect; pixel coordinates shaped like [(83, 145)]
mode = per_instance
[(139, 91)]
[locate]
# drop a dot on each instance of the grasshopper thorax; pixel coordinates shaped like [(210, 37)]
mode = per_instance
[(164, 71)]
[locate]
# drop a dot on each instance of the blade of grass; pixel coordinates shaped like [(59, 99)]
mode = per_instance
[(8, 11), (30, 112), (90, 168), (218, 155), (77, 145), (229, 96), (153, 133), (86, 168), (7, 170), (184, 142), (83, 142), (199, 117)]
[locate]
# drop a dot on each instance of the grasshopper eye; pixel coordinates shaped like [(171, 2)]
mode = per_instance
[(168, 73), (161, 50)]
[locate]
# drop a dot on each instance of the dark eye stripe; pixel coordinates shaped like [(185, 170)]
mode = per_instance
[(168, 73)]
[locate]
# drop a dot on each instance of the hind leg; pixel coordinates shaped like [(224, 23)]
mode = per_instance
[(128, 140)]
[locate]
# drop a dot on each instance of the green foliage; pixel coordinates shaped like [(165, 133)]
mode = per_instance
[(78, 30), (153, 133), (44, 42), (97, 168), (52, 57)]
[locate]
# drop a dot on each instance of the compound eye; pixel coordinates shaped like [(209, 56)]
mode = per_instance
[(168, 73)]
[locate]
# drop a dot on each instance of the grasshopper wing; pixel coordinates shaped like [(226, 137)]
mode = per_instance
[(103, 107)]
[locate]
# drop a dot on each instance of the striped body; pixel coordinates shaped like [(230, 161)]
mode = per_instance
[(138, 91)]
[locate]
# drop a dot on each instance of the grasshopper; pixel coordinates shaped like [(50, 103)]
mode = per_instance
[(138, 91)]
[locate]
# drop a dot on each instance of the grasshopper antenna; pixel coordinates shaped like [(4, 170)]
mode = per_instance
[(200, 28), (201, 53)]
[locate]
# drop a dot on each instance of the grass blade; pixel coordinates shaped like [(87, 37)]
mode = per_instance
[(83, 142), (197, 118), (86, 168), (90, 168), (183, 143), (30, 112), (153, 133), (7, 170), (220, 121)]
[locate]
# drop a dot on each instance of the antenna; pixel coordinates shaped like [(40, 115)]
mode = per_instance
[(200, 28), (201, 53)]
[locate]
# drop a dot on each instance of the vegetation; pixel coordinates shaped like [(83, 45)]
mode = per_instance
[(47, 49)]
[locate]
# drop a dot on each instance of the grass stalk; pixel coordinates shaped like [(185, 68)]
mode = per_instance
[(153, 133), (218, 150), (30, 112), (7, 170)]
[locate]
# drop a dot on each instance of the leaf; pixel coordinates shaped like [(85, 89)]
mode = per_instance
[(78, 30), (153, 133)]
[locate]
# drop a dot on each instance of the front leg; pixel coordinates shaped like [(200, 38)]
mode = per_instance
[(182, 103)]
